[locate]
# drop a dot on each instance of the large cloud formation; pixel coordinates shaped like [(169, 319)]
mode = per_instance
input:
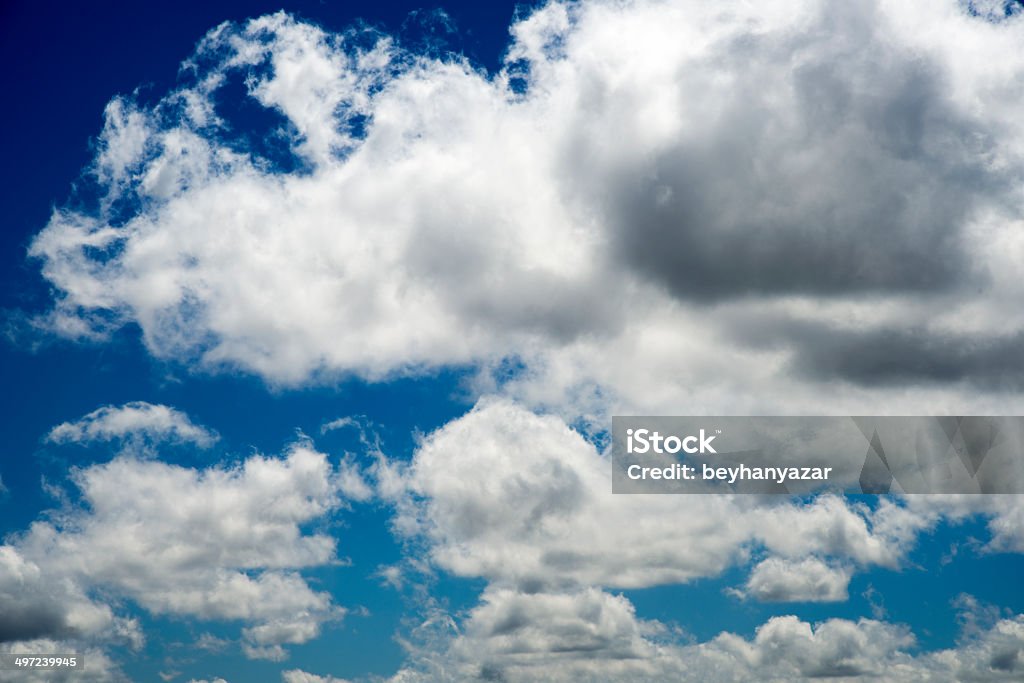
[(635, 176), (524, 500), (525, 503)]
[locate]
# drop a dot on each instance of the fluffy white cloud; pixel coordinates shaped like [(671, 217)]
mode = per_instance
[(1007, 524), (221, 543), (808, 580), (518, 623), (595, 636), (133, 420), (786, 648), (521, 499), (299, 676), (525, 503), (425, 213)]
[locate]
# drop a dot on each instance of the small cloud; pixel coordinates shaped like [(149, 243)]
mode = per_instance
[(300, 676), (351, 482), (339, 423), (876, 602), (211, 643), (807, 580), (272, 653), (391, 575), (138, 419)]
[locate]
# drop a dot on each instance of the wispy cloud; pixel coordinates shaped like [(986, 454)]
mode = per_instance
[(138, 419)]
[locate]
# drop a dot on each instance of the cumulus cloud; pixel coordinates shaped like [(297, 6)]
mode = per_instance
[(522, 499), (596, 636), (586, 202), (136, 419), (785, 648), (522, 623), (221, 543), (788, 648), (809, 580), (524, 502), (300, 676)]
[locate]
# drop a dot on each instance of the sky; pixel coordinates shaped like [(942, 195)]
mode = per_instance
[(315, 318)]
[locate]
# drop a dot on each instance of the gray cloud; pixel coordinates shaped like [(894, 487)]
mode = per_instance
[(29, 621), (891, 355), (830, 161), (902, 356)]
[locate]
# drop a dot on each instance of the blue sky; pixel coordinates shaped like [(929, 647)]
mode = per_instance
[(314, 324)]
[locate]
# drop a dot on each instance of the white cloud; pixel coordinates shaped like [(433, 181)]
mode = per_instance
[(786, 648), (391, 575), (299, 676), (595, 636), (588, 218), (1007, 525), (521, 499), (339, 423), (221, 543), (808, 580), (137, 419), (517, 624), (351, 481), (580, 635), (1004, 513), (525, 503), (211, 643)]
